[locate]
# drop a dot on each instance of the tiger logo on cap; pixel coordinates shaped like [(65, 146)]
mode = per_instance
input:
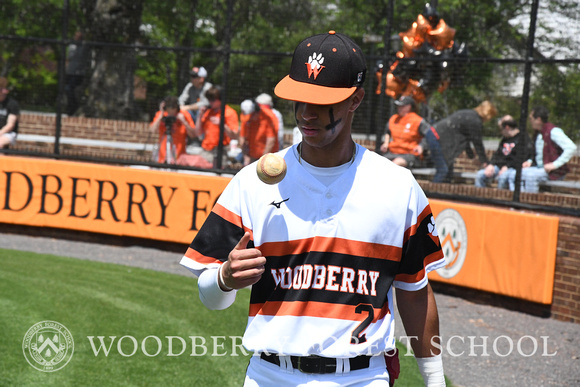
[(314, 64)]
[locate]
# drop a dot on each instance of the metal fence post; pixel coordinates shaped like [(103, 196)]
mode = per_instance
[(61, 78), (526, 91)]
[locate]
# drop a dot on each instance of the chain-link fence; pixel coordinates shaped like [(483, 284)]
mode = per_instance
[(89, 99)]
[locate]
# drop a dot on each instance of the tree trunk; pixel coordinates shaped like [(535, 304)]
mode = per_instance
[(110, 91)]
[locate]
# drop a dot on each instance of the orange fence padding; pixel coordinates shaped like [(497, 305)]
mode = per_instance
[(114, 200), (497, 250)]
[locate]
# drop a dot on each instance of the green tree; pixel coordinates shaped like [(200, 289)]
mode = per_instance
[(30, 66), (174, 36)]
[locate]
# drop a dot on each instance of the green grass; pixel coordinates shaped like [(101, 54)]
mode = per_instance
[(97, 299)]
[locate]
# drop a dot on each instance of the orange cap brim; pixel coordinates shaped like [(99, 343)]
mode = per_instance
[(293, 90)]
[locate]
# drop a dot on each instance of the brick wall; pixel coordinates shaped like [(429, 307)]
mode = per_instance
[(566, 303), (85, 128)]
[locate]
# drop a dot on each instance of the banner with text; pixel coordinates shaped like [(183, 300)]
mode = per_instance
[(497, 250), (153, 204), (501, 251)]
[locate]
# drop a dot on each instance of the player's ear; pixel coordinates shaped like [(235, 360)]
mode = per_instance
[(356, 99)]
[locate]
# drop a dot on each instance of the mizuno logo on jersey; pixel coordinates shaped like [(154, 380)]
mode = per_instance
[(327, 277), (277, 204)]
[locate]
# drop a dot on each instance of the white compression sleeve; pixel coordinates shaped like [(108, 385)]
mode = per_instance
[(210, 293), (431, 369)]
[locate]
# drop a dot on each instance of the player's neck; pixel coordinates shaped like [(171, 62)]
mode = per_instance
[(331, 155)]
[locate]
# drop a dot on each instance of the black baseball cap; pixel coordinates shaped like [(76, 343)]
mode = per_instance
[(326, 69), (405, 100)]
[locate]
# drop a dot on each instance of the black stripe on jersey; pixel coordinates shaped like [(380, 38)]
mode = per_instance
[(217, 237), (417, 247), (267, 290)]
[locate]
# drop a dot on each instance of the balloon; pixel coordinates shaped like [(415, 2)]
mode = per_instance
[(394, 86), (413, 89), (441, 37), (423, 25), (400, 70), (428, 37), (411, 40)]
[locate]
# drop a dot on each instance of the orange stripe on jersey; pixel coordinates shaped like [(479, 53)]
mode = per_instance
[(411, 278), (197, 257), (313, 309), (416, 277), (413, 229), (231, 217), (333, 245)]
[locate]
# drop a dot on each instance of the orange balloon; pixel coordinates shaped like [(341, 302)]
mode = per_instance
[(423, 26), (415, 91), (394, 86), (442, 36), (410, 40), (379, 75)]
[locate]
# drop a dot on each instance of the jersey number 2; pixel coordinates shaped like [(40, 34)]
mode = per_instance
[(357, 336)]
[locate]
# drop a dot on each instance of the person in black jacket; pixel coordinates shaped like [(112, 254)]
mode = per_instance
[(514, 148), (462, 129)]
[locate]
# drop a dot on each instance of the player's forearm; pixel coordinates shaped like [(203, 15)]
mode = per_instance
[(210, 293), (420, 318)]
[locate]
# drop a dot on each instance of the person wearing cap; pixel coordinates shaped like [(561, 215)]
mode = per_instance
[(462, 129), (258, 131), (407, 135), (324, 248), (193, 96), (9, 115), (265, 101), (513, 149)]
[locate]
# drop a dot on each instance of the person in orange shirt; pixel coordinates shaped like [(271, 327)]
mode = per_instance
[(258, 131), (408, 135), (180, 126), (265, 100), (208, 123), (404, 139)]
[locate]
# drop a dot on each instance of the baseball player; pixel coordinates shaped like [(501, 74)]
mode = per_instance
[(324, 248)]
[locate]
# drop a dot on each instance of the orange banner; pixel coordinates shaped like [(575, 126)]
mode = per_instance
[(114, 200), (496, 250)]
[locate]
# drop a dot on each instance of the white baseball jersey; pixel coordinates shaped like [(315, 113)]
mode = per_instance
[(333, 253)]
